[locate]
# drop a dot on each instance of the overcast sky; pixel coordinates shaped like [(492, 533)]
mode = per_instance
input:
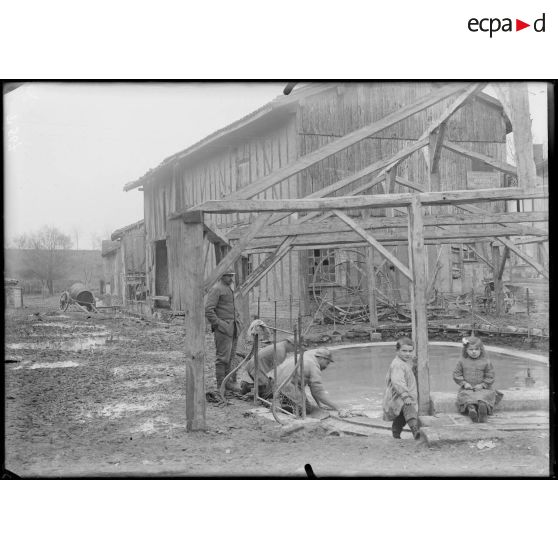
[(70, 148)]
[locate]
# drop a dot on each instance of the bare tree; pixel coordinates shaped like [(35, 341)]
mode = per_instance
[(48, 251)]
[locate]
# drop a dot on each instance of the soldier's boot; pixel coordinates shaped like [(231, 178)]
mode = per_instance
[(483, 412), (396, 431), (414, 427)]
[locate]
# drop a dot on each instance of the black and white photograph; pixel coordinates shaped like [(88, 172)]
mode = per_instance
[(277, 279)]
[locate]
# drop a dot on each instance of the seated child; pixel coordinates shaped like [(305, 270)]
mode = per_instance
[(401, 397), (475, 376)]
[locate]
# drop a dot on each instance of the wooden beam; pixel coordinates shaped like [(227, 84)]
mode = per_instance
[(371, 277), (236, 251), (214, 236), (370, 169), (417, 260), (191, 273), (267, 265), (386, 237), (437, 220), (338, 145), (342, 203), (495, 163), (435, 147), (442, 119), (498, 292), (408, 184), (478, 211), (503, 263), (515, 100), (480, 256), (527, 259), (375, 244)]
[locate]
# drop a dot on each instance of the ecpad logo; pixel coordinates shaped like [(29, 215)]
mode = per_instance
[(492, 25)]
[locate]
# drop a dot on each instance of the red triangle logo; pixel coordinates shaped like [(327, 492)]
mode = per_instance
[(519, 25)]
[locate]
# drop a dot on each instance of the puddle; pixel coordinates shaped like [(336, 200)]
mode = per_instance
[(123, 408), (79, 344), (68, 343), (72, 335), (158, 423), (68, 326), (35, 365)]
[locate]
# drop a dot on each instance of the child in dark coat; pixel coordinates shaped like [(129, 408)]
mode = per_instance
[(401, 395), (474, 374)]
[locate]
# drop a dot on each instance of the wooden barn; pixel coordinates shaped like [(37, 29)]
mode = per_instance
[(125, 267), (288, 129)]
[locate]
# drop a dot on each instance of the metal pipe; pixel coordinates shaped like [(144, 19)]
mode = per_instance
[(528, 317), (291, 308), (256, 368), (472, 311), (275, 344), (301, 348)]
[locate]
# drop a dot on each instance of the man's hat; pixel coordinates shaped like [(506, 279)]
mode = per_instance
[(289, 340), (324, 353), (228, 272)]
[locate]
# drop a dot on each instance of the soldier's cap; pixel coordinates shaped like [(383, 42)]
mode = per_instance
[(324, 353), (228, 272), (289, 340)]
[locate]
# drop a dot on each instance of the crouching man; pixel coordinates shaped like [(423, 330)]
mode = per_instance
[(266, 364), (314, 362)]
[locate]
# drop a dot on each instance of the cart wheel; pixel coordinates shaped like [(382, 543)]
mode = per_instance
[(64, 301)]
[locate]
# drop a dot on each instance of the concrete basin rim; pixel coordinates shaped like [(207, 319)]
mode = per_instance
[(489, 348)]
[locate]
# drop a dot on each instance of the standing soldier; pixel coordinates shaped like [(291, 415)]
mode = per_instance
[(225, 323)]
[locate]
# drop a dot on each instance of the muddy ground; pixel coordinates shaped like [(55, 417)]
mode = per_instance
[(115, 406)]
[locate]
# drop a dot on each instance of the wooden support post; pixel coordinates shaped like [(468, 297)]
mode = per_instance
[(371, 274), (503, 262), (434, 151), (417, 261), (301, 358), (191, 235), (498, 293), (515, 99), (256, 366)]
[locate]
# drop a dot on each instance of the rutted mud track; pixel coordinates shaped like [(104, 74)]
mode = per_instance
[(119, 409)]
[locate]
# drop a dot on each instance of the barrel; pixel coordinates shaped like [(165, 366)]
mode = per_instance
[(82, 296)]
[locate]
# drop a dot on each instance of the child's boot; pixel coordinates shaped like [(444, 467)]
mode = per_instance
[(473, 413), (483, 412), (413, 425)]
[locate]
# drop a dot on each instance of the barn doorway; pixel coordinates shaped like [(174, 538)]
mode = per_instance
[(161, 274)]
